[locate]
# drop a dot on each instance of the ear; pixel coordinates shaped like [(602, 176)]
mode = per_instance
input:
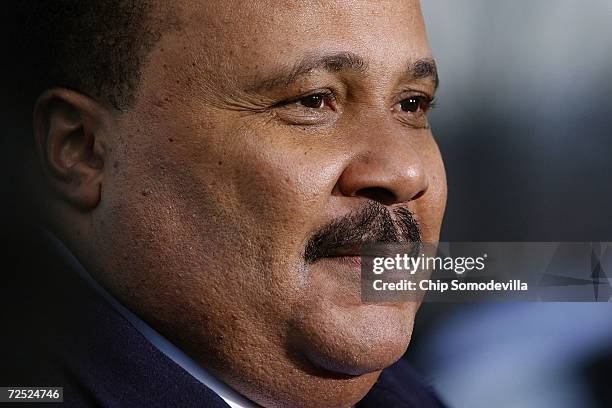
[(67, 131)]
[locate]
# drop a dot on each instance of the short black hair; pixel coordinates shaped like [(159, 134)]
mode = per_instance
[(96, 47)]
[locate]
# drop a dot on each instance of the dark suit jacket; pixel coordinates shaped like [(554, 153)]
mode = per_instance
[(58, 331)]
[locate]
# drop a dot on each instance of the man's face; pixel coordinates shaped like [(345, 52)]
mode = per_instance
[(261, 132)]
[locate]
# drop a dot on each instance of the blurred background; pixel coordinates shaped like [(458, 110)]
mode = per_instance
[(524, 123)]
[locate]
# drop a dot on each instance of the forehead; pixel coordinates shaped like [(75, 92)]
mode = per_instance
[(243, 36)]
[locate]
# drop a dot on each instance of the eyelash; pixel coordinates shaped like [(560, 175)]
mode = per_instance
[(327, 96), (308, 109), (426, 103)]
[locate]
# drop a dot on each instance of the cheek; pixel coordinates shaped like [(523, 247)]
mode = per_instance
[(437, 176), (430, 207), (227, 209), (283, 188)]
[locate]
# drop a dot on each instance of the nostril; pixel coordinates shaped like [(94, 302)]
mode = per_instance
[(382, 195), (418, 195)]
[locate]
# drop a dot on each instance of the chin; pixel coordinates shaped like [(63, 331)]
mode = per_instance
[(354, 340)]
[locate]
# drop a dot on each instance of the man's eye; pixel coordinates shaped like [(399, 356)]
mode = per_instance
[(315, 101), (316, 108), (414, 104)]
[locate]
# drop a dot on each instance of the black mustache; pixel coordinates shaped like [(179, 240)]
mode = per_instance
[(371, 224)]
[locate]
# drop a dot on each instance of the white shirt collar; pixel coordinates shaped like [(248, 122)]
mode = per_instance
[(231, 397)]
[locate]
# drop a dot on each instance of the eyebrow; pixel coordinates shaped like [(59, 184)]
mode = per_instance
[(338, 62), (424, 68)]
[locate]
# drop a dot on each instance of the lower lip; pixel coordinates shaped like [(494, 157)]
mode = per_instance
[(352, 263)]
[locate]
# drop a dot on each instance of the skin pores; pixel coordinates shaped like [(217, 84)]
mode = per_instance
[(216, 176)]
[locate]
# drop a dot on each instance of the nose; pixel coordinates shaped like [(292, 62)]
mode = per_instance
[(390, 173)]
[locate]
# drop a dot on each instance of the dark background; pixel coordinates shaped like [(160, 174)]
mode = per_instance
[(524, 117), (524, 123)]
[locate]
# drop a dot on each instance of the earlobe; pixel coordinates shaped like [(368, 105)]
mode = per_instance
[(67, 131)]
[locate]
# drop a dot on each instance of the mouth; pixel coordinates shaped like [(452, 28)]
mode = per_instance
[(355, 255), (364, 251), (350, 255), (351, 260), (346, 258)]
